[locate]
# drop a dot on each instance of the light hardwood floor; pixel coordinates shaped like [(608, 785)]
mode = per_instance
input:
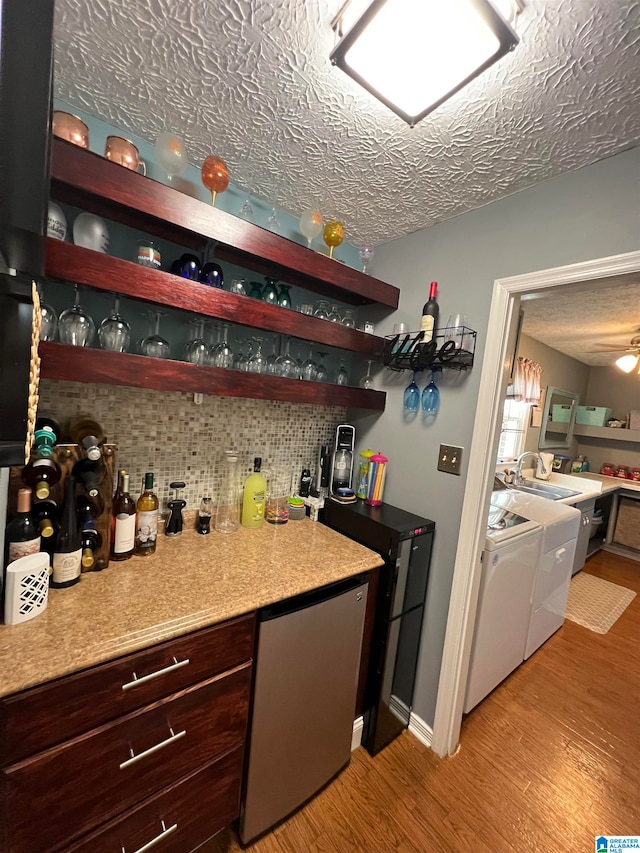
[(547, 762)]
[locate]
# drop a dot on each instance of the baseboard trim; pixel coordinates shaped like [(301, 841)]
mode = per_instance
[(420, 730), (356, 737)]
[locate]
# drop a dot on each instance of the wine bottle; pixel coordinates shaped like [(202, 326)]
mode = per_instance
[(430, 313), (67, 554), (43, 441), (40, 475), (91, 541), (147, 519), (22, 536), (90, 473), (45, 514), (124, 532), (203, 523), (88, 435), (254, 498)]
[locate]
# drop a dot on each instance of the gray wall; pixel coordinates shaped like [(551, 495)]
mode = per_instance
[(558, 370), (609, 386), (587, 214)]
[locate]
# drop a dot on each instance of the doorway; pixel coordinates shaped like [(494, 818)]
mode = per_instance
[(501, 334)]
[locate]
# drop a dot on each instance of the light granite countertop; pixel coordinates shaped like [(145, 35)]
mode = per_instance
[(190, 582)]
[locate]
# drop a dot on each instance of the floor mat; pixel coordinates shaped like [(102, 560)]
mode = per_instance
[(595, 603)]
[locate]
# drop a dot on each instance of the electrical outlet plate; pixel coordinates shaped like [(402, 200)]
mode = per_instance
[(450, 459)]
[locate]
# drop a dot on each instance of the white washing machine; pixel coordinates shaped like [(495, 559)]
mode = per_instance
[(509, 563), (561, 524)]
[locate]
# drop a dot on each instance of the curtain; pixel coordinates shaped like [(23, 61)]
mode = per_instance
[(526, 381)]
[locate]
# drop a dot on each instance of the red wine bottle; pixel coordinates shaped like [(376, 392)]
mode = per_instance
[(430, 314), (124, 513), (40, 475), (91, 541), (67, 554), (22, 536), (45, 514)]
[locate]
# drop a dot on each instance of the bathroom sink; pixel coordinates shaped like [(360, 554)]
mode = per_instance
[(546, 490)]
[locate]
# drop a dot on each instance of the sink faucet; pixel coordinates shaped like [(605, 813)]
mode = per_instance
[(519, 479)]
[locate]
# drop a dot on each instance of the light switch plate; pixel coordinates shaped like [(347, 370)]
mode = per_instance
[(449, 459)]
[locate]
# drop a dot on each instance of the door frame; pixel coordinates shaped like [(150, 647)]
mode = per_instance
[(601, 272)]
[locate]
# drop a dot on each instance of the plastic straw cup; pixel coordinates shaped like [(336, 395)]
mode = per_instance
[(377, 473)]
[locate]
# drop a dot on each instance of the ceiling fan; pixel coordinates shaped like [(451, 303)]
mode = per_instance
[(631, 360), (634, 347)]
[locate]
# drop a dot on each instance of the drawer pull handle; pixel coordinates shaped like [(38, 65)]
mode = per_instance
[(152, 749), (177, 664), (165, 831)]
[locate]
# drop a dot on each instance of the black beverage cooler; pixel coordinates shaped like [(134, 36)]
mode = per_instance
[(404, 541)]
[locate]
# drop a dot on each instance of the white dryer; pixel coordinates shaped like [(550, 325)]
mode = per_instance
[(509, 563), (561, 524)]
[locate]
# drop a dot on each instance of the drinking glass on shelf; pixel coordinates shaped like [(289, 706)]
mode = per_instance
[(255, 290), (333, 235), (284, 296), (286, 365), (431, 395), (238, 285), (213, 331), (271, 367), (334, 315), (366, 253), (348, 319), (75, 326), (342, 375), (309, 368), (273, 223), (155, 345), (240, 361), (223, 356), (246, 212), (411, 396), (257, 361), (48, 319), (367, 381), (270, 292), (321, 310), (114, 333), (322, 374), (196, 350)]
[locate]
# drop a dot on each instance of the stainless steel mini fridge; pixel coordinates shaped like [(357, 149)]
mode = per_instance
[(404, 540), (306, 676)]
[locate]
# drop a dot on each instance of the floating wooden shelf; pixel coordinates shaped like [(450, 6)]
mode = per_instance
[(105, 272), (81, 364), (90, 181)]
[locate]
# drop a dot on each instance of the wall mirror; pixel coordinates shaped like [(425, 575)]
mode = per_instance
[(558, 418)]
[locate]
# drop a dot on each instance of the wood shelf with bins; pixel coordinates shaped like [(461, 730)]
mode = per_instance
[(93, 183)]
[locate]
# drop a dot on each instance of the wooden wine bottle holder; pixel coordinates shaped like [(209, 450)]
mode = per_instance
[(66, 455)]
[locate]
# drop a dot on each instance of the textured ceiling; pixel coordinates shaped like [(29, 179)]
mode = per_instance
[(574, 321), (250, 80)]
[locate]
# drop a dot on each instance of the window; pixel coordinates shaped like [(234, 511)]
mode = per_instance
[(514, 427)]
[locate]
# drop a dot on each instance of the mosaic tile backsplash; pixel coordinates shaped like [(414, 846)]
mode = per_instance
[(167, 433)]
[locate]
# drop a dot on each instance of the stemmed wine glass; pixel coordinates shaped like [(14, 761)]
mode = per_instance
[(271, 367), (154, 345), (411, 397), (431, 395), (257, 361), (342, 376), (48, 319), (322, 374), (196, 350), (309, 368), (273, 223), (75, 326), (223, 356), (367, 381), (366, 253), (114, 333), (286, 365)]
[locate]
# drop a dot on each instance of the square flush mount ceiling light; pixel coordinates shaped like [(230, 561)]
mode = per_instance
[(414, 54)]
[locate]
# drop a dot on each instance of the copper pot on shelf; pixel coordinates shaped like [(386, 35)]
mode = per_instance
[(70, 128)]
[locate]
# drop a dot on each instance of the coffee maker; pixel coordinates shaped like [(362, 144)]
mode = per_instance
[(342, 461)]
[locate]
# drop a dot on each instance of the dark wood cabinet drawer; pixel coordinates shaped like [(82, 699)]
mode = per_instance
[(68, 790), (43, 716), (179, 819)]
